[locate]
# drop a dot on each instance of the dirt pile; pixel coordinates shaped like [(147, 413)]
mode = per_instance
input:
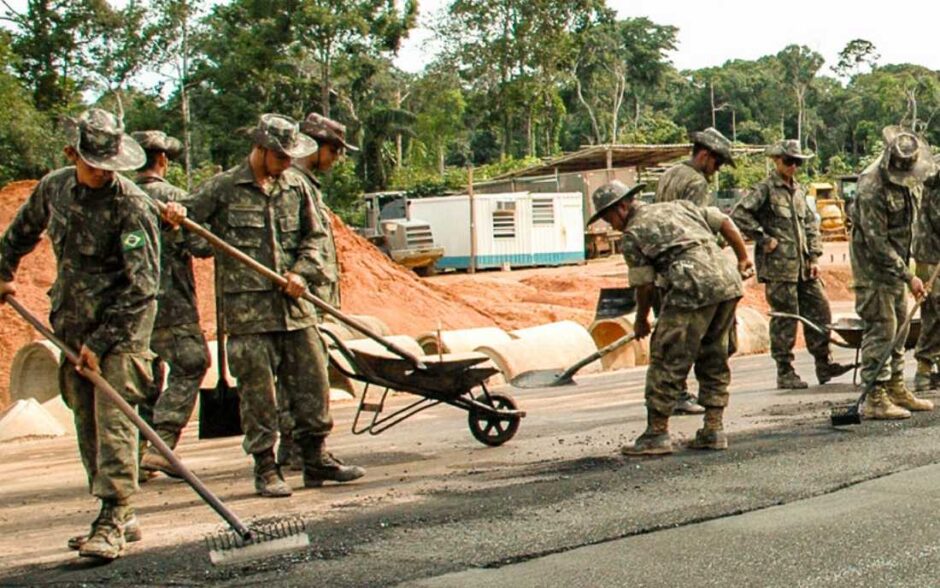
[(33, 279), (373, 284)]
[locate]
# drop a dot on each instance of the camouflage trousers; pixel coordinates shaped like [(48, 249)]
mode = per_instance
[(182, 349), (684, 338), (107, 439), (289, 363), (808, 299), (883, 309), (928, 344)]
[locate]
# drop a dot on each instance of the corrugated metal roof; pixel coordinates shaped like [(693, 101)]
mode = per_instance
[(596, 157)]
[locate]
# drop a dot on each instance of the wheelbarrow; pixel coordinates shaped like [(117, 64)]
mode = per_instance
[(847, 333), (451, 379)]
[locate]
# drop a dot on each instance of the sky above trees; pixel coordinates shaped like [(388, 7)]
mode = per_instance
[(715, 31)]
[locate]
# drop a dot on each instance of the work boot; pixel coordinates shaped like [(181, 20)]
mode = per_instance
[(269, 482), (154, 461), (829, 370), (289, 454), (924, 380), (878, 407), (787, 379), (132, 532), (712, 435), (899, 394), (320, 465), (107, 538), (654, 440), (688, 404)]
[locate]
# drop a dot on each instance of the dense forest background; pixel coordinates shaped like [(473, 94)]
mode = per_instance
[(514, 81)]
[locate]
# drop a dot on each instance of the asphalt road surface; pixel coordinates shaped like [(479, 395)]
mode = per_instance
[(792, 502)]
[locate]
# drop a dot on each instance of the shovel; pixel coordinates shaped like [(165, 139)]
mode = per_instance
[(552, 377), (219, 414), (238, 545), (850, 415)]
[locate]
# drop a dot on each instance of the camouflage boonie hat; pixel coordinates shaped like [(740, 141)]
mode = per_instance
[(907, 159), (788, 148), (610, 194), (159, 141), (712, 139), (327, 130), (281, 133), (99, 139)]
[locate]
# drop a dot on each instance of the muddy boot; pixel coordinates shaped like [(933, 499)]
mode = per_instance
[(899, 394), (688, 404), (924, 378), (268, 479), (787, 379), (320, 465), (878, 407), (654, 440), (712, 435), (829, 370), (153, 460), (107, 539), (132, 532)]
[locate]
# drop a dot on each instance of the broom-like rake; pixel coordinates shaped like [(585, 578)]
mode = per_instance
[(241, 543)]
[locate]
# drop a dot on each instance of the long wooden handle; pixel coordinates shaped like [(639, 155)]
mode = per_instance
[(281, 282), (902, 330), (101, 384), (598, 354)]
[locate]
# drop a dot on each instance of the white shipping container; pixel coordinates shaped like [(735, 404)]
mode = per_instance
[(517, 228)]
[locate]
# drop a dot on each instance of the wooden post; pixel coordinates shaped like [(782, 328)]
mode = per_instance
[(473, 224)]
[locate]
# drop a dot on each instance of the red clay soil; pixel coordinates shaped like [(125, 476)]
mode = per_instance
[(374, 285)]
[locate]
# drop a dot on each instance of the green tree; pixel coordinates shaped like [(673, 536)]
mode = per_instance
[(800, 64), (323, 29), (28, 147)]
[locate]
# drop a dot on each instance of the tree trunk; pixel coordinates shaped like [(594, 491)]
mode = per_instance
[(184, 103), (398, 151), (530, 135), (440, 159), (594, 126), (325, 83)]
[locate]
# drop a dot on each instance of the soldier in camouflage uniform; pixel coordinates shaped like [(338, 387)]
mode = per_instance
[(106, 242), (689, 180), (927, 256), (885, 211), (673, 245), (267, 210), (774, 214), (177, 338), (331, 147)]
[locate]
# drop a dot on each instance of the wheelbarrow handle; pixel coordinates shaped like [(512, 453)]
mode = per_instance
[(281, 281), (101, 384), (802, 319)]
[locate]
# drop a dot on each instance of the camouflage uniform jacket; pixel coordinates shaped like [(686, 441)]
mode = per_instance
[(176, 302), (279, 229), (683, 182), (107, 248), (672, 244), (927, 230), (328, 292), (773, 209), (882, 217)]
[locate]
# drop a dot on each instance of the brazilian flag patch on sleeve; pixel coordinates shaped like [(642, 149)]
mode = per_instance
[(133, 240)]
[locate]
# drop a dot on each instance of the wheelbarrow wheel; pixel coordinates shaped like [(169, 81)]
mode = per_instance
[(494, 430)]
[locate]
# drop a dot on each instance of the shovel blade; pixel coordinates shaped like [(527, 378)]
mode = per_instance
[(219, 414), (843, 417), (541, 379)]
